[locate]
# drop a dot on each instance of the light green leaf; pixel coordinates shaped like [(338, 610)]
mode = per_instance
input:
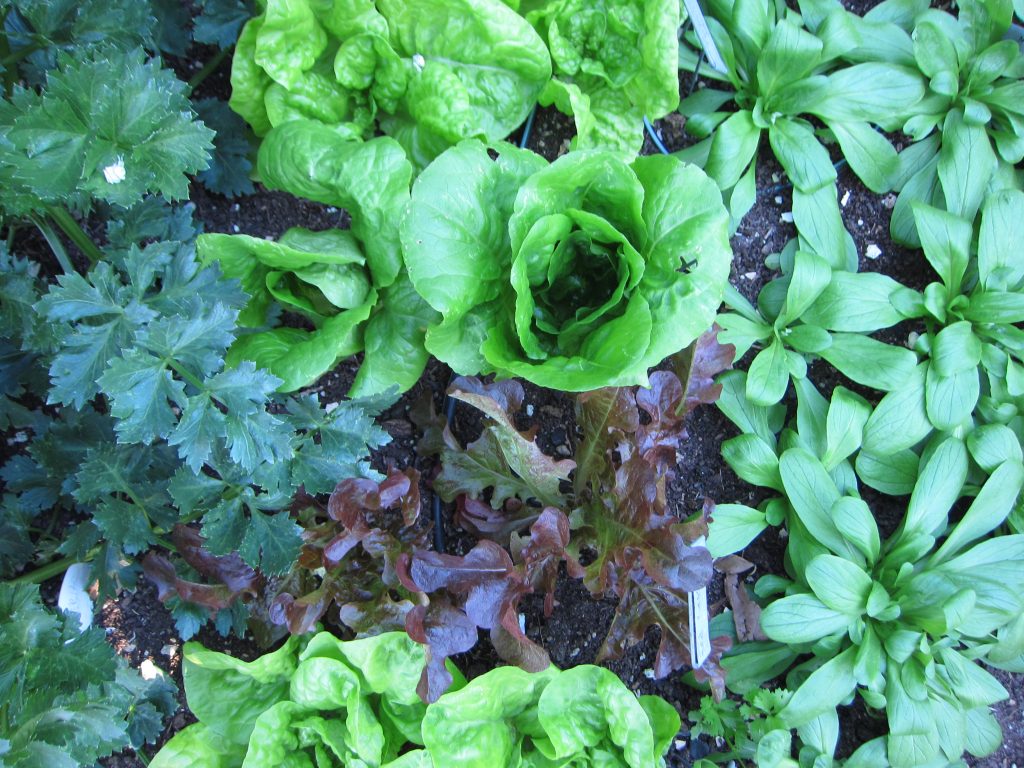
[(938, 486), (733, 527), (870, 362), (839, 584), (801, 619)]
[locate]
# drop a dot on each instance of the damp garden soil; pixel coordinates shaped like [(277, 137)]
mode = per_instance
[(141, 629)]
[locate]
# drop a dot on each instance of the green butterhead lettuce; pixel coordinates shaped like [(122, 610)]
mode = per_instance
[(328, 702), (566, 275), (350, 284), (615, 61), (399, 64)]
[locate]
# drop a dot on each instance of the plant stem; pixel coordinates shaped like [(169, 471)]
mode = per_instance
[(54, 242), (75, 233), (207, 70), (175, 366), (55, 568)]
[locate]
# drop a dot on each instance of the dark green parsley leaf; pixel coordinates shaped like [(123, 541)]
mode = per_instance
[(151, 219), (231, 163), (271, 542), (141, 389), (112, 124), (220, 21), (253, 435)]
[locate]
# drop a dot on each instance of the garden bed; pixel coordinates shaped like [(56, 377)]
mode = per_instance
[(141, 629)]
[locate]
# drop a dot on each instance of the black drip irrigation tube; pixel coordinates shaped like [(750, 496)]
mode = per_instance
[(449, 402)]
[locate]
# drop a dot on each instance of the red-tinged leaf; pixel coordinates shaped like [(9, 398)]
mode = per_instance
[(358, 555), (746, 613), (498, 525), (670, 562), (542, 552), (528, 655), (300, 616), (366, 618), (350, 500), (162, 573), (503, 459), (606, 417), (502, 397), (336, 549), (711, 671), (696, 527), (697, 365), (445, 631), (432, 571), (646, 604), (658, 440), (229, 570)]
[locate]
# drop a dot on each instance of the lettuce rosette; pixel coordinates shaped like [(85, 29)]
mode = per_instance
[(614, 61), (350, 285), (428, 72), (575, 275)]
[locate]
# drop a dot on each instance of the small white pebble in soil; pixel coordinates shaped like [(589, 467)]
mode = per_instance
[(680, 743), (860, 222), (846, 198), (169, 650), (574, 653), (889, 201), (750, 275), (529, 410), (149, 670), (328, 407), (787, 217), (873, 251), (235, 228), (331, 209), (649, 674), (522, 622), (235, 207), (912, 338), (778, 199), (775, 178)]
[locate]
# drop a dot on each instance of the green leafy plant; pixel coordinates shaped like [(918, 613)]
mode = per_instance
[(639, 551), (351, 284), (397, 64), (900, 619), (751, 735), (342, 703), (969, 128), (67, 698), (567, 275), (615, 62), (811, 311), (782, 73)]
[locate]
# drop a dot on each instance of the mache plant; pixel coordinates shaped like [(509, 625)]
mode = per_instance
[(355, 703), (810, 312), (971, 376), (576, 275), (356, 65), (614, 63), (350, 284), (782, 76), (900, 620), (969, 128)]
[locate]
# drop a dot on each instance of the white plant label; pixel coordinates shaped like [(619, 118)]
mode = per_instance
[(700, 633), (74, 595), (700, 26)]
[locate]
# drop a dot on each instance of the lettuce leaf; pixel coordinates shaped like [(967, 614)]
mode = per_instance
[(401, 64), (615, 61), (566, 275)]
